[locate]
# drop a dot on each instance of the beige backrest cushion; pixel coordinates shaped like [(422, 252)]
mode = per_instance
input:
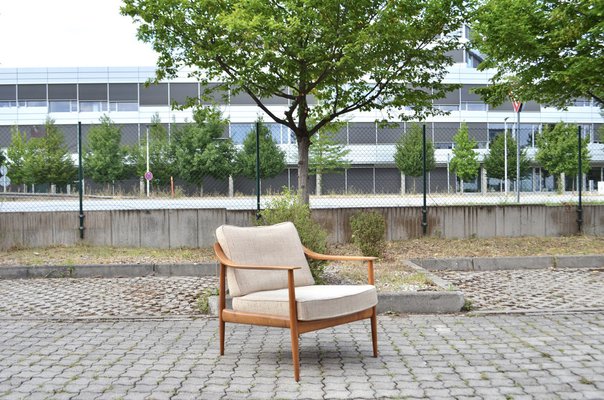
[(263, 245)]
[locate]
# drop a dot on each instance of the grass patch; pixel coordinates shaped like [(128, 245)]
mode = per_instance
[(389, 277)]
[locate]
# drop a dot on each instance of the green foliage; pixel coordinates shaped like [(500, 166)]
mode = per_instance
[(2, 158), (368, 233), (306, 50), (41, 159), (494, 162), (290, 207), (161, 153), (17, 153), (326, 155), (545, 50), (104, 157), (465, 160), (272, 158), (558, 150), (409, 152), (59, 166), (200, 149)]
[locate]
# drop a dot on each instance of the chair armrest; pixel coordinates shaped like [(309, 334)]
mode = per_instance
[(327, 257), (231, 264), (330, 257)]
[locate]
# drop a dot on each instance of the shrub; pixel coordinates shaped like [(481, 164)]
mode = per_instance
[(368, 232), (290, 207)]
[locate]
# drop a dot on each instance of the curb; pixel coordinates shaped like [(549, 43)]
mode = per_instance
[(108, 271), (506, 263)]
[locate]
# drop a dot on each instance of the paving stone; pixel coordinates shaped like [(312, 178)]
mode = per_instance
[(547, 289), (423, 356)]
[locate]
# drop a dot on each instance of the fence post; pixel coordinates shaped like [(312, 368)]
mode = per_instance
[(424, 207), (80, 180), (257, 170), (580, 176)]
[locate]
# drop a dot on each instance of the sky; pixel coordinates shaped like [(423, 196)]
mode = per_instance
[(69, 33)]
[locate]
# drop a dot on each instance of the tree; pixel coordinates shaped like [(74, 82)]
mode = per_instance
[(40, 159), (326, 155), (201, 151), (161, 153), (2, 158), (272, 158), (104, 157), (558, 150), (17, 153), (544, 50), (52, 161), (352, 55), (465, 160), (494, 162), (408, 155)]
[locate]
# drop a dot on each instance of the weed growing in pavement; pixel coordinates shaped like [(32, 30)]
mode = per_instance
[(467, 305), (203, 301), (585, 381)]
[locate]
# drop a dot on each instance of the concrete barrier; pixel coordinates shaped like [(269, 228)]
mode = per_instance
[(195, 227)]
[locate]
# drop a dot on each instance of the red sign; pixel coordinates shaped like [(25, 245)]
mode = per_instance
[(148, 175), (517, 106)]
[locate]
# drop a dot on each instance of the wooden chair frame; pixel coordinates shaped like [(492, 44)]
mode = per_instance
[(295, 326)]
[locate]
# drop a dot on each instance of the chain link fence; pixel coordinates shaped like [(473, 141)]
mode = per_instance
[(356, 167)]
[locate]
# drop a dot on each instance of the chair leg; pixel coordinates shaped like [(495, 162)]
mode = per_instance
[(221, 333), (374, 332), (295, 352)]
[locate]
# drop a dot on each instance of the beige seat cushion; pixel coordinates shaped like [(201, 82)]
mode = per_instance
[(263, 245), (313, 302)]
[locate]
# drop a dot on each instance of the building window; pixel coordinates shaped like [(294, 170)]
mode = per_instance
[(33, 103), (62, 106), (474, 106), (93, 106), (8, 104), (123, 106), (581, 103), (240, 131), (447, 107)]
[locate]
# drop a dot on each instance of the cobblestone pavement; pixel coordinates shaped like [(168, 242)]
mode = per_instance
[(544, 289), (94, 297), (538, 356)]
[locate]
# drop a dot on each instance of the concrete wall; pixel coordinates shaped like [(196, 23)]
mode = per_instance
[(195, 228)]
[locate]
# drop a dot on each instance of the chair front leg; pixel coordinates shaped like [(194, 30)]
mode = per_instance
[(221, 306), (293, 324)]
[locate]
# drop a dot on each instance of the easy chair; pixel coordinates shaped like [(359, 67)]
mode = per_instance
[(271, 285)]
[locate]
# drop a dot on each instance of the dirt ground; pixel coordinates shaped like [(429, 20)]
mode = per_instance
[(396, 251)]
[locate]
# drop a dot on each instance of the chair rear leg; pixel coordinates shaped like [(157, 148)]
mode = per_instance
[(221, 333), (374, 332)]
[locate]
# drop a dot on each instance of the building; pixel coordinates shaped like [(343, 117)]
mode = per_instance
[(69, 95)]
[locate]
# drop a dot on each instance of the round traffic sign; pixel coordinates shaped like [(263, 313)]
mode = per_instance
[(148, 175), (4, 181)]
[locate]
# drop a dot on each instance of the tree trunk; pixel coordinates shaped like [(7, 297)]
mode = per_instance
[(462, 186), (318, 191), (303, 146)]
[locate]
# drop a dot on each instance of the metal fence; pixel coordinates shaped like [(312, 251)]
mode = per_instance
[(370, 176)]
